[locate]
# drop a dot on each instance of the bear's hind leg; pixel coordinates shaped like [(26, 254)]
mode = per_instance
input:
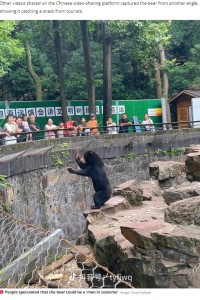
[(97, 199), (101, 197)]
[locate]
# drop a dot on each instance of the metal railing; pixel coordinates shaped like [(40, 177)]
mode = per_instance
[(133, 128)]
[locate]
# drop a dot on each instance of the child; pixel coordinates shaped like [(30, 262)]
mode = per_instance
[(26, 127), (60, 133)]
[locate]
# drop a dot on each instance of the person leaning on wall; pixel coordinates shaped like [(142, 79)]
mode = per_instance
[(124, 123), (50, 127), (93, 125), (148, 123), (84, 130), (34, 126), (111, 126), (3, 134), (11, 128)]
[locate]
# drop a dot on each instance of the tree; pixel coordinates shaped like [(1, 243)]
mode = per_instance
[(184, 48), (10, 51), (33, 35), (158, 79), (58, 51), (107, 73), (144, 54), (88, 67), (34, 76), (153, 37), (10, 48)]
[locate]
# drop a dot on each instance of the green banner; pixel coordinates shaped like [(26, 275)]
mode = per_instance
[(79, 108)]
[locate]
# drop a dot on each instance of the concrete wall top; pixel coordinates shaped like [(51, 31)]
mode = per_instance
[(26, 157)]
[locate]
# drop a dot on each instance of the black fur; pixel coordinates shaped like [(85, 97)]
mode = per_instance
[(94, 168)]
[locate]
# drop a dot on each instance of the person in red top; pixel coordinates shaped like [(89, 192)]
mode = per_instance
[(69, 125)]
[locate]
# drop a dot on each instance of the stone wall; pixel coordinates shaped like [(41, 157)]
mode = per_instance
[(53, 198), (44, 194)]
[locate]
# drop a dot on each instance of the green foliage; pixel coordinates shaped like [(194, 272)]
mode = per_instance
[(6, 207), (61, 158), (176, 151), (131, 155), (134, 52), (156, 152), (10, 48), (3, 181), (164, 152), (3, 184)]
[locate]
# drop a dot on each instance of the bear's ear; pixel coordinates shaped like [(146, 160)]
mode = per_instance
[(89, 153)]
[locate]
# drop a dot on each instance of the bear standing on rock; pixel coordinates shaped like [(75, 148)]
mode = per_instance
[(93, 167)]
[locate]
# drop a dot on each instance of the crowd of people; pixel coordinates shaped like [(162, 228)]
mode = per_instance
[(20, 129)]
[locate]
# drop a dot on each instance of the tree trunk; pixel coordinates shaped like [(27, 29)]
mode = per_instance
[(165, 81), (107, 73), (164, 72), (61, 79), (34, 76), (158, 80), (88, 67)]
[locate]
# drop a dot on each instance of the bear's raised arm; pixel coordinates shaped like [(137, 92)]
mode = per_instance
[(80, 163), (85, 172)]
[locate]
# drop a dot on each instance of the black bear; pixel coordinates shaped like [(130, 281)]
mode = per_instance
[(93, 167)]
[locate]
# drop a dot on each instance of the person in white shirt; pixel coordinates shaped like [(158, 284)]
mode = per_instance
[(110, 126), (50, 134), (10, 127), (147, 123)]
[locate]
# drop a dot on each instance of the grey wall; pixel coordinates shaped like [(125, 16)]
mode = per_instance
[(43, 194), (53, 198)]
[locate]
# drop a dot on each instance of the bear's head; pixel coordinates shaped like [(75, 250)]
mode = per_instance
[(93, 159)]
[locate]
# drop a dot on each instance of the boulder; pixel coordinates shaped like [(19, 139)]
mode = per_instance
[(185, 240), (115, 204), (150, 189), (192, 166), (174, 242), (137, 242), (168, 173), (163, 170), (192, 149), (96, 233), (184, 212), (131, 191), (139, 234), (181, 192), (193, 276)]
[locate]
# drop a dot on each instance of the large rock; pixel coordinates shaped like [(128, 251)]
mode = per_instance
[(139, 234), (185, 240), (192, 166), (166, 254), (181, 192), (113, 205), (148, 251), (174, 242), (168, 173), (150, 189), (192, 149), (184, 212), (163, 170), (193, 277), (131, 191)]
